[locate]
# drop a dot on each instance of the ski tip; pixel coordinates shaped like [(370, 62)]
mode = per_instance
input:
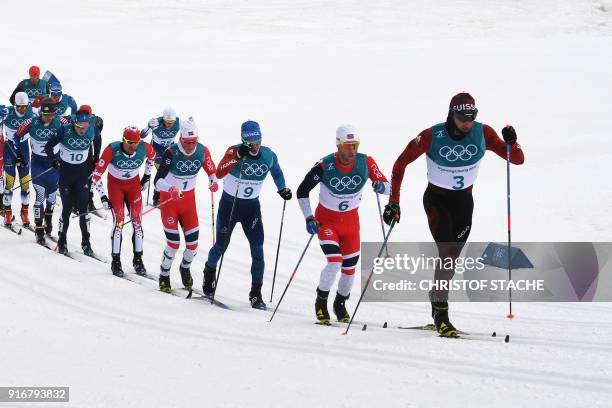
[(384, 325), (510, 316), (507, 339)]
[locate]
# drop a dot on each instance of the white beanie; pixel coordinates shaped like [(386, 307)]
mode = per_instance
[(21, 98), (169, 114), (189, 130), (346, 133)]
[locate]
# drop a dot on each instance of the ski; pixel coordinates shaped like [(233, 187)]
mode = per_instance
[(13, 228), (460, 334), (96, 257), (203, 297)]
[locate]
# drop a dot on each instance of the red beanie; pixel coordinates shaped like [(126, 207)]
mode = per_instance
[(34, 71)]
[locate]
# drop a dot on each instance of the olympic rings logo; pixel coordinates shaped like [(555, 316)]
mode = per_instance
[(130, 164), (16, 123), (346, 182), (254, 169), (33, 92), (463, 153), (185, 166), (78, 143), (45, 133), (166, 134)]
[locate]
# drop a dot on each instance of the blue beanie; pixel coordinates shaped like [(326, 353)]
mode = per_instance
[(250, 132)]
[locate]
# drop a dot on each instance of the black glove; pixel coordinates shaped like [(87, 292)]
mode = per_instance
[(56, 163), (144, 182), (20, 163), (509, 135), (285, 193), (106, 203), (392, 212), (243, 150)]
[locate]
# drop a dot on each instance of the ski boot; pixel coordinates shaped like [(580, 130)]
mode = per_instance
[(208, 286), (164, 284), (25, 216), (8, 216), (116, 268), (48, 222), (255, 298), (155, 198), (445, 328), (139, 267), (340, 308), (62, 248), (321, 308), (90, 204), (86, 247), (186, 278), (40, 235)]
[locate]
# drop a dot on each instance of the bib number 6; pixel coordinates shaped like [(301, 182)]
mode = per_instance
[(343, 205)]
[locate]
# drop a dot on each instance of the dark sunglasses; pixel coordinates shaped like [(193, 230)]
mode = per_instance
[(463, 117)]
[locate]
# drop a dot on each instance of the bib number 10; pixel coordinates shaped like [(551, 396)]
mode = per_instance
[(76, 157)]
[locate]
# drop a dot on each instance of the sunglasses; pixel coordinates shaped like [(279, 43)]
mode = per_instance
[(463, 118), (21, 106), (131, 142), (81, 126), (48, 113), (189, 142), (356, 144)]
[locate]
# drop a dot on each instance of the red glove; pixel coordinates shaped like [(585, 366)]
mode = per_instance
[(214, 186), (37, 102)]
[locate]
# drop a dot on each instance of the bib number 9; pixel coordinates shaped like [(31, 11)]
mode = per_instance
[(343, 205), (248, 192)]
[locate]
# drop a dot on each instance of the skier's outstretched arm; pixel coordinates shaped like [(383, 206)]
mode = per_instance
[(413, 150), (498, 146), (313, 177)]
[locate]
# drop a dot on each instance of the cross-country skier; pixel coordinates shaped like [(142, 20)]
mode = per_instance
[(124, 160), (40, 130), (164, 130), (74, 141), (343, 176), (454, 151), (3, 114), (32, 86), (17, 158), (64, 103), (244, 168), (176, 179)]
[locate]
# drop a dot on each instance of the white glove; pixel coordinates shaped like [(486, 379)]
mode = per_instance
[(153, 123)]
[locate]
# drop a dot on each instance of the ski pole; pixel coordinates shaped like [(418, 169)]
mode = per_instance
[(31, 179), (369, 278), (148, 192), (292, 275), (225, 241), (149, 210), (510, 315), (278, 249), (212, 212), (382, 223)]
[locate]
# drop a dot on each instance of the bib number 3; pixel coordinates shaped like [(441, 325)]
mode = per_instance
[(459, 184)]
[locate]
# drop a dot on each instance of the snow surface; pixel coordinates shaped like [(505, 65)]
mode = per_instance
[(301, 68)]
